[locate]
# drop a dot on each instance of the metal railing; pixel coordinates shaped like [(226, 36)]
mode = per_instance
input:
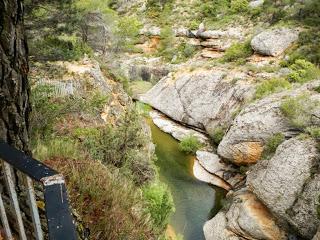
[(59, 219)]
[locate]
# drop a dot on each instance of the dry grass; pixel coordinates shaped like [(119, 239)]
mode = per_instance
[(110, 205)]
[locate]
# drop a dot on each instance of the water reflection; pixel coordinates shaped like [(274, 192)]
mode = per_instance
[(195, 201)]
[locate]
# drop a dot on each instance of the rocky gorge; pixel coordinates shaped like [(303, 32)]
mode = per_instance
[(242, 78)]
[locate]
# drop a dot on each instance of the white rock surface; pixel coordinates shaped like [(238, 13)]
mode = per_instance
[(286, 184), (274, 42), (176, 130), (202, 98), (256, 123), (246, 218), (203, 175)]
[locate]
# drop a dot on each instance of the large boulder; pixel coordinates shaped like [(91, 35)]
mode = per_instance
[(289, 184), (203, 98), (243, 144), (274, 42), (246, 218)]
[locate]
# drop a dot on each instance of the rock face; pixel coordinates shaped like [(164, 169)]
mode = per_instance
[(256, 123), (287, 185), (203, 175), (246, 218), (142, 69), (201, 99), (274, 42), (176, 130)]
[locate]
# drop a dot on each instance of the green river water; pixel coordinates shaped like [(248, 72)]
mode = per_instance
[(195, 201)]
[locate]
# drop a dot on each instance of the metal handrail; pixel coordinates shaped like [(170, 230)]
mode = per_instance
[(60, 221)]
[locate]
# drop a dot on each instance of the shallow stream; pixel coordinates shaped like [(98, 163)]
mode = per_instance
[(195, 201)]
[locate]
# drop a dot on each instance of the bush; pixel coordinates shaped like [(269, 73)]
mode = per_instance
[(314, 132), (61, 47), (190, 144), (303, 71), (159, 204), (298, 110), (238, 52), (166, 45), (211, 8), (126, 34), (308, 47), (218, 134), (238, 6), (56, 147), (272, 144), (108, 203), (271, 86)]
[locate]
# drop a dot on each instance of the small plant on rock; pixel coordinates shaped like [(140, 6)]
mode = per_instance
[(298, 110), (238, 52), (272, 144), (271, 86), (303, 71), (190, 144), (217, 135)]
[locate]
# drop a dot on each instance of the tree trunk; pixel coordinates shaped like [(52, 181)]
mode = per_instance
[(14, 87)]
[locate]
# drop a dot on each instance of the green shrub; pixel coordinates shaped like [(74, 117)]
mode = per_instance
[(159, 204), (166, 45), (183, 52), (272, 144), (126, 33), (217, 134), (238, 51), (308, 47), (303, 71), (56, 147), (314, 132), (211, 8), (271, 86), (190, 144), (62, 47), (298, 110), (238, 6), (110, 205)]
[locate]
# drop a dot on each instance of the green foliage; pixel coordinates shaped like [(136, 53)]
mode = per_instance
[(314, 132), (272, 144), (271, 86), (211, 8), (120, 146), (239, 6), (218, 134), (190, 144), (159, 10), (87, 6), (126, 33), (303, 71), (308, 47), (298, 110), (238, 52), (61, 47), (48, 108), (159, 204), (183, 52), (56, 147), (110, 205), (166, 45), (310, 13)]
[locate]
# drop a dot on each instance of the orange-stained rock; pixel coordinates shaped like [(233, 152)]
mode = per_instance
[(246, 153)]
